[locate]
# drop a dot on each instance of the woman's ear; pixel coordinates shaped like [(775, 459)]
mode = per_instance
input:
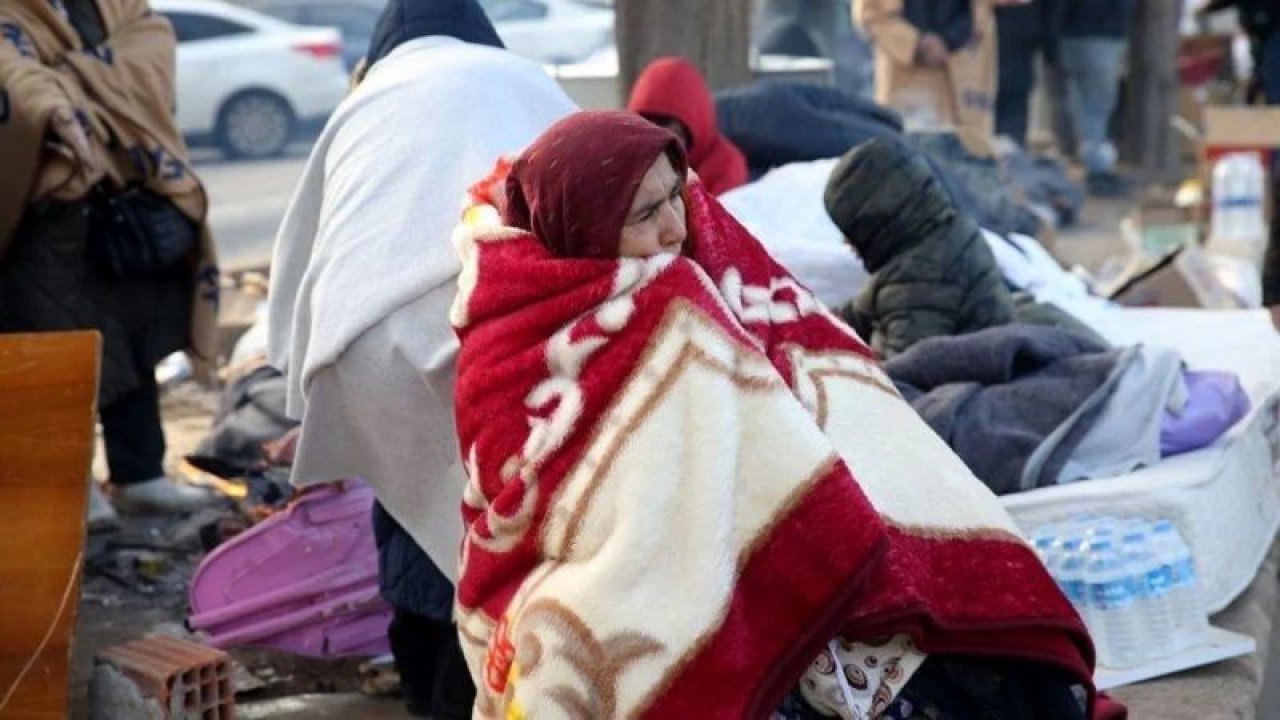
[(690, 178)]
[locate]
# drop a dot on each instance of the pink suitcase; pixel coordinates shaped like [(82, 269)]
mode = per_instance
[(304, 580)]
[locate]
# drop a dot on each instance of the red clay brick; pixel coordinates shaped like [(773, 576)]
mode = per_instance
[(162, 666)]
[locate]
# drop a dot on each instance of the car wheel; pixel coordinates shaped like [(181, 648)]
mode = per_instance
[(255, 124)]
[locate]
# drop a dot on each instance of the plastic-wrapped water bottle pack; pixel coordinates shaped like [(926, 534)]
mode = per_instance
[(1133, 581)]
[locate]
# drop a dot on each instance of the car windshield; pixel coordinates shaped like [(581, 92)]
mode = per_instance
[(192, 26)]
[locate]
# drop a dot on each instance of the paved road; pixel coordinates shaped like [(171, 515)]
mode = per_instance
[(247, 201)]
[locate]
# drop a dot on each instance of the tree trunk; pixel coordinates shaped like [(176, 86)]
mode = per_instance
[(715, 35), (1150, 140)]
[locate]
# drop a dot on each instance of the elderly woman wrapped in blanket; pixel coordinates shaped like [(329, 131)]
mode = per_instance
[(688, 480)]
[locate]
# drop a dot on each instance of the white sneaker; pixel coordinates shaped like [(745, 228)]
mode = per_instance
[(102, 516), (162, 495)]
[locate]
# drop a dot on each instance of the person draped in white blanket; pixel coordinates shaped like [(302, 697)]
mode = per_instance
[(363, 273)]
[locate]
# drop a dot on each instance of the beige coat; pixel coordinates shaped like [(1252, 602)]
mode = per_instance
[(124, 93), (963, 94)]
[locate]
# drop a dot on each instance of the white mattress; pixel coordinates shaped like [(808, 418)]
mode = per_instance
[(1225, 499)]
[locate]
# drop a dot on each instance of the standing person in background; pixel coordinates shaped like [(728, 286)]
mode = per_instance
[(1091, 55), (1261, 21), (102, 220), (363, 277), (1025, 30), (935, 59)]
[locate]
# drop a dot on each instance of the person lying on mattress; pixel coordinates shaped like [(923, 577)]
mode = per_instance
[(687, 479), (932, 273)]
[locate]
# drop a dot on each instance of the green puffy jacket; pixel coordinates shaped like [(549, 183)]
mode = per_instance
[(932, 272)]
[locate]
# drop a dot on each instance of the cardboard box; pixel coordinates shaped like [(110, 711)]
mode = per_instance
[(1161, 227), (1181, 278), (1240, 128)]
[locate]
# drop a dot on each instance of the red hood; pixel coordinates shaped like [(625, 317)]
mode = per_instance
[(672, 87)]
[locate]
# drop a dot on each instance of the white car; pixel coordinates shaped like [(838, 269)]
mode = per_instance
[(248, 81), (555, 32)]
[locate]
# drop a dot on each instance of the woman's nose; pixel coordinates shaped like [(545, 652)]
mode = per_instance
[(672, 229)]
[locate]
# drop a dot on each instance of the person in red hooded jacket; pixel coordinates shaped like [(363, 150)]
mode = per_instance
[(671, 93)]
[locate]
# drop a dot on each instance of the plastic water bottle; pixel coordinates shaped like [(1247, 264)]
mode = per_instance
[(1104, 526), (1095, 525), (1113, 605), (1044, 543), (1068, 570), (1239, 227), (1151, 585), (1190, 621), (1133, 581)]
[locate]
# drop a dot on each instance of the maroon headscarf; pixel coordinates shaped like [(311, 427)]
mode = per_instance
[(573, 187)]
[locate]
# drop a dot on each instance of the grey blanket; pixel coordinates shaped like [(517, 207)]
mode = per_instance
[(1013, 401), (978, 186)]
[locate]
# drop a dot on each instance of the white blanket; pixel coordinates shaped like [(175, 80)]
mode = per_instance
[(364, 273), (784, 210), (1026, 265)]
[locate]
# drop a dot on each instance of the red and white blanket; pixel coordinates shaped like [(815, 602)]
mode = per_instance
[(686, 476)]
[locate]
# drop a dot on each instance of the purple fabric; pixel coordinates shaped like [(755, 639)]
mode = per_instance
[(1215, 402)]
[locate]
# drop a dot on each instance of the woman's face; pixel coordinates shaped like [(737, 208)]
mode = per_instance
[(655, 223)]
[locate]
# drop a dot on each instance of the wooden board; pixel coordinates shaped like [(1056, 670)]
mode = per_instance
[(48, 397)]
